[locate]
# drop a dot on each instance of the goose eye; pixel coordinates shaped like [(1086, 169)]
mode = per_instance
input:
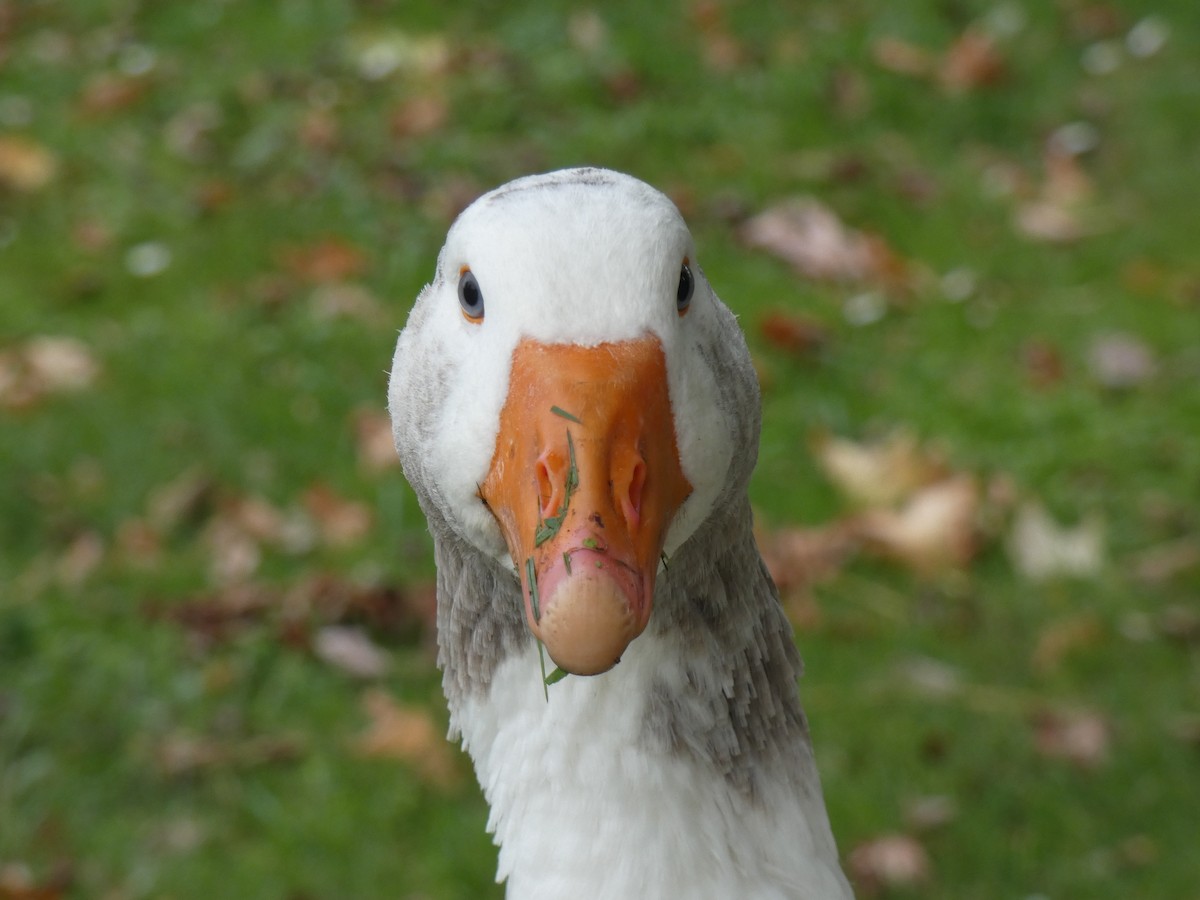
[(470, 297), (683, 294)]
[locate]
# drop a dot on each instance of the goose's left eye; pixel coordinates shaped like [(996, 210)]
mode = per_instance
[(687, 285), (470, 297)]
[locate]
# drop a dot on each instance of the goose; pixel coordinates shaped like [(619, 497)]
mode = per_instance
[(578, 416)]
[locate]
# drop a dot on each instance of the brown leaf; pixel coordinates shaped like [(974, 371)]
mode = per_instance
[(818, 245), (182, 754), (1062, 637), (931, 812), (901, 57), (408, 734), (794, 334), (880, 474), (1165, 561), (45, 365), (340, 521), (25, 165), (17, 882), (800, 557), (351, 650), (420, 116), (327, 260), (81, 558), (185, 500), (373, 438), (1063, 210), (1042, 363), (1081, 737), (932, 532), (106, 93), (888, 862), (971, 62)]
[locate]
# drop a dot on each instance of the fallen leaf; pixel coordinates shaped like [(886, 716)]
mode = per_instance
[(1042, 363), (185, 500), (1063, 211), (420, 116), (45, 365), (794, 334), (25, 165), (378, 54), (408, 734), (801, 557), (373, 438), (1165, 561), (971, 62), (1081, 737), (341, 522), (932, 812), (17, 882), (1120, 361), (106, 93), (182, 754), (877, 474), (721, 50), (891, 861), (1041, 549), (346, 300), (818, 245), (350, 650), (234, 554), (1181, 624), (1062, 637), (901, 57), (81, 558), (328, 260), (932, 532)]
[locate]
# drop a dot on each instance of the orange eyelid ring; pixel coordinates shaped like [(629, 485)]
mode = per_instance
[(469, 296)]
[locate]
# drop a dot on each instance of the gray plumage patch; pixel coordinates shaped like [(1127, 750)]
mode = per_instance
[(739, 712)]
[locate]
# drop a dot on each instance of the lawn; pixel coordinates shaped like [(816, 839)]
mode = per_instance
[(217, 669)]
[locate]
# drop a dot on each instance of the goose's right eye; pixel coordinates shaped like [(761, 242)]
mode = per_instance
[(470, 297)]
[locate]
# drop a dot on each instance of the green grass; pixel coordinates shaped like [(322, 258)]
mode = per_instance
[(225, 362)]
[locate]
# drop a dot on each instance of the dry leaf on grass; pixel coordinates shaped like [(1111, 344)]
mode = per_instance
[(800, 557), (1063, 637), (973, 61), (374, 441), (341, 522), (17, 882), (408, 734), (902, 57), (1081, 737), (1041, 549), (891, 861), (42, 366), (181, 754), (351, 650), (1165, 561), (1064, 209), (1120, 361), (877, 474), (25, 165), (812, 239), (933, 531), (798, 335), (327, 260)]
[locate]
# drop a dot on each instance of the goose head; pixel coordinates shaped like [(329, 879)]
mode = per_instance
[(571, 401)]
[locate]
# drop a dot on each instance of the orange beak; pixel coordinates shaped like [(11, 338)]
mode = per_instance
[(584, 482)]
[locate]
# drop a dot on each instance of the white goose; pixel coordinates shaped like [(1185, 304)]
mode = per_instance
[(577, 413)]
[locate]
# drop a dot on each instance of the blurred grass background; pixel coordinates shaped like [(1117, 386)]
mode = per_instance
[(226, 208)]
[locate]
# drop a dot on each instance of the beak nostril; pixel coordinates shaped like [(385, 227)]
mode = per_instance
[(547, 488), (632, 501)]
